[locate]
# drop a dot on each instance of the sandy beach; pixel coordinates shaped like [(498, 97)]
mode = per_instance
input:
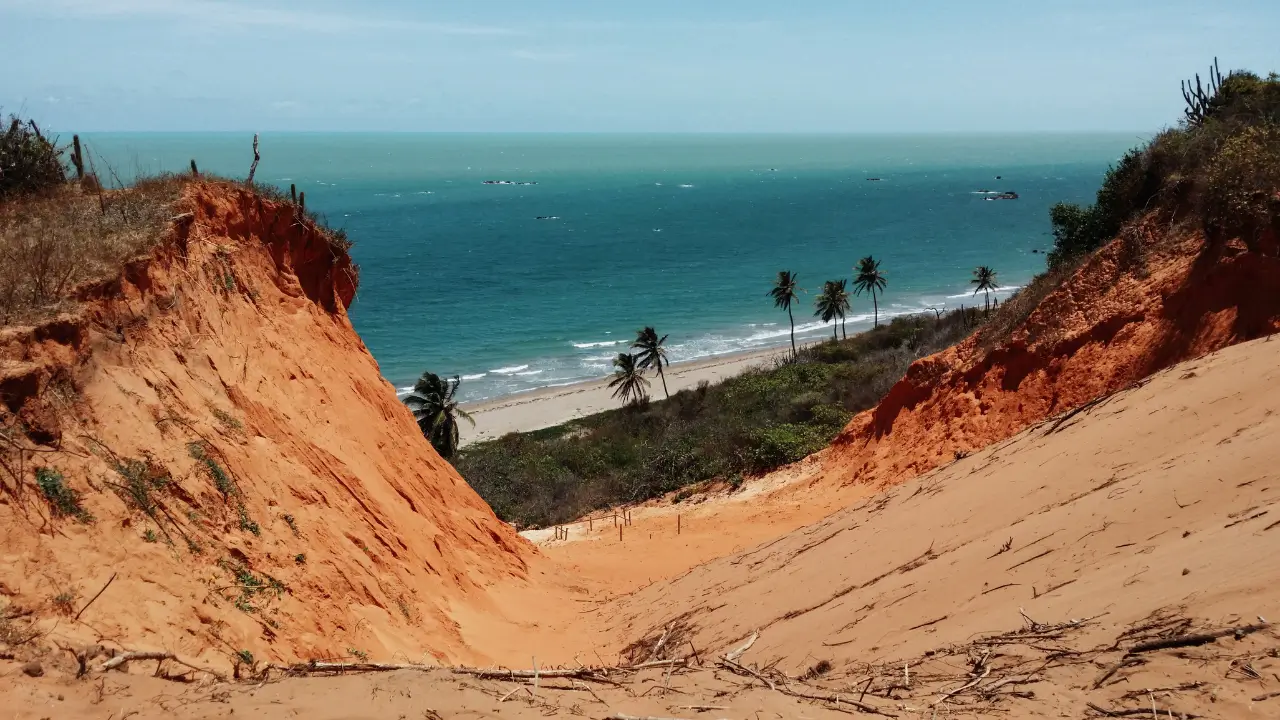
[(552, 406)]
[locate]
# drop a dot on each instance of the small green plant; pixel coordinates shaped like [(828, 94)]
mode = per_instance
[(246, 522), (293, 524), (735, 482), (149, 536), (682, 495), (404, 609), (300, 558), (245, 657), (221, 480), (141, 479), (194, 547), (358, 654), (65, 602), (228, 420), (63, 500)]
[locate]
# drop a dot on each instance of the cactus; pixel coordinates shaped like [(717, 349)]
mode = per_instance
[(293, 193), (77, 158), (1200, 102), (302, 202), (195, 171)]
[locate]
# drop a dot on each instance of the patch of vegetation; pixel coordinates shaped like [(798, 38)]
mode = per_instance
[(30, 162), (1220, 166), (245, 657), (300, 558), (250, 586), (228, 420), (748, 424), (142, 478), (62, 499), (221, 480), (149, 536), (65, 602), (291, 522), (358, 654), (60, 229)]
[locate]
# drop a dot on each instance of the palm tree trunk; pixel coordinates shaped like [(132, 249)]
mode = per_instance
[(835, 332), (875, 305), (843, 330), (664, 382), (793, 331), (987, 311)]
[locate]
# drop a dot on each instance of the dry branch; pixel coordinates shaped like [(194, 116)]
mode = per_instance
[(1196, 639), (123, 658)]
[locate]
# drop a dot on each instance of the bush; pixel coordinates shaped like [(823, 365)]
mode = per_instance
[(29, 162), (62, 500), (1224, 168), (1243, 180)]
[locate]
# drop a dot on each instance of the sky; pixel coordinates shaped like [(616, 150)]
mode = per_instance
[(619, 65)]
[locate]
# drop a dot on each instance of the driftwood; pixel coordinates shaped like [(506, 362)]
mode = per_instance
[(737, 653), (737, 669), (1196, 639), (621, 716), (121, 659), (317, 667), (598, 674), (1128, 712)]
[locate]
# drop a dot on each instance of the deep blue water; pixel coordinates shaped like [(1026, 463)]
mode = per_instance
[(683, 232)]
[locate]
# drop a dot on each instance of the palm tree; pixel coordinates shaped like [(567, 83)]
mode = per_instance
[(870, 278), (628, 379), (783, 294), (435, 408), (832, 303), (985, 279), (652, 354)]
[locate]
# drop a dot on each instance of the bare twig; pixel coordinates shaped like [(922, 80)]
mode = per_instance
[(95, 597), (256, 157), (1197, 639), (121, 659)]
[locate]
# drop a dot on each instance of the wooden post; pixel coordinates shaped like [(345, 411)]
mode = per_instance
[(588, 524), (619, 533), (677, 524), (615, 518), (256, 157)]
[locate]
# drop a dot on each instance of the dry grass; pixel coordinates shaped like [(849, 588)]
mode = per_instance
[(1014, 311), (51, 243)]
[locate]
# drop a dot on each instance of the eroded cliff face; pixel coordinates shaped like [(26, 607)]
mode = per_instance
[(254, 483), (1153, 297)]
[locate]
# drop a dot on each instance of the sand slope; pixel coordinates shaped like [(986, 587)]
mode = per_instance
[(1149, 514)]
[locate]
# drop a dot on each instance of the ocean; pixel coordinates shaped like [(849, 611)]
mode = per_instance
[(543, 281)]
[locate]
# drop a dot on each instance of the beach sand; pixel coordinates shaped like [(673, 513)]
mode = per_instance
[(551, 406)]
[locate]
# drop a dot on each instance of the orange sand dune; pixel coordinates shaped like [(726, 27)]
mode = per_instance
[(235, 334)]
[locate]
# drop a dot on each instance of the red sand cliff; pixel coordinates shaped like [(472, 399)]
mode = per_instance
[(233, 333), (1151, 298)]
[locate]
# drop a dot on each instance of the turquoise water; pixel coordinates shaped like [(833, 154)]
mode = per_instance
[(681, 232)]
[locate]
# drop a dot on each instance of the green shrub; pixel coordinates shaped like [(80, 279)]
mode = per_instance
[(62, 500), (29, 161), (1243, 179), (1224, 168)]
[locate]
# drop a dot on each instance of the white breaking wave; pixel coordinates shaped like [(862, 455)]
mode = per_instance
[(509, 370), (474, 377), (530, 372), (602, 343), (1002, 290), (686, 186)]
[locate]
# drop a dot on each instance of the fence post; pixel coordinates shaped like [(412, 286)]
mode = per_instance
[(677, 523), (619, 533)]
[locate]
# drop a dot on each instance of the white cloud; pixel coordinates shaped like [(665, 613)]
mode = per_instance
[(231, 14)]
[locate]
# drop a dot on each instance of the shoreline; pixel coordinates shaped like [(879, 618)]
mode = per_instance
[(550, 406)]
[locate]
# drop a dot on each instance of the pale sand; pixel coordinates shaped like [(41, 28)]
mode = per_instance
[(544, 408)]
